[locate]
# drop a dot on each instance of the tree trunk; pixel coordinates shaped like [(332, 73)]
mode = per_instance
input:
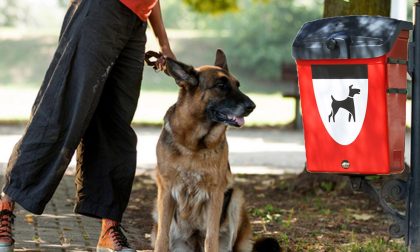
[(357, 7)]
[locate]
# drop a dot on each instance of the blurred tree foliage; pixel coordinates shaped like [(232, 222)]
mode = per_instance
[(259, 32), (9, 12), (15, 13), (213, 6), (262, 34), (63, 3)]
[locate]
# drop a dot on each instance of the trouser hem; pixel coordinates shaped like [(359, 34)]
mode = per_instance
[(94, 210), (31, 204)]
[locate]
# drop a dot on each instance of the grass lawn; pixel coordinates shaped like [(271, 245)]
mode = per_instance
[(25, 55)]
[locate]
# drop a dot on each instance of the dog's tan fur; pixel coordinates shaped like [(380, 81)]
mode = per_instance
[(193, 170)]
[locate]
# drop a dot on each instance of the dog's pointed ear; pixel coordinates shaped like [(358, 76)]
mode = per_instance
[(221, 60), (183, 74), (351, 86)]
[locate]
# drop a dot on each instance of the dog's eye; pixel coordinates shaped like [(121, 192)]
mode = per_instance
[(222, 83)]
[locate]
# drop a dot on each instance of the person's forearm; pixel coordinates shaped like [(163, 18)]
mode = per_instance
[(158, 27)]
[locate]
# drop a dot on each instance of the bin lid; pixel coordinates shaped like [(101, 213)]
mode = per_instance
[(347, 37)]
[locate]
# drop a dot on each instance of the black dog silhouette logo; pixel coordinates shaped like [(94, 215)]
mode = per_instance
[(346, 104), (341, 95)]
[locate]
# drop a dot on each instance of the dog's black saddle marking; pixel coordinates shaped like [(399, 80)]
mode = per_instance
[(226, 200)]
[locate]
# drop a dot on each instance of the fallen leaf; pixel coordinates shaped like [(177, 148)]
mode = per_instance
[(362, 217)]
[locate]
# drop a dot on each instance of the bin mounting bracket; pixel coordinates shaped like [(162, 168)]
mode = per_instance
[(396, 190)]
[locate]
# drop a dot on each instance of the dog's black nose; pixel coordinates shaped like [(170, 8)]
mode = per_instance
[(249, 106)]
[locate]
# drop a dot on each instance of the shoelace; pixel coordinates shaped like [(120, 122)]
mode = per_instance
[(6, 220), (118, 236)]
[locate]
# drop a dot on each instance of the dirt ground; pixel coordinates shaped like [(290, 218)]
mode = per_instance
[(327, 217)]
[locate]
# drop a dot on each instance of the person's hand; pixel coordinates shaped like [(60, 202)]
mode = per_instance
[(161, 62)]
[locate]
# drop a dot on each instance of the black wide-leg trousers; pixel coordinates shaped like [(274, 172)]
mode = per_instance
[(86, 102)]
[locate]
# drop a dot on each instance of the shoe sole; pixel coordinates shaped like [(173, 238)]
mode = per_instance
[(6, 248), (98, 249)]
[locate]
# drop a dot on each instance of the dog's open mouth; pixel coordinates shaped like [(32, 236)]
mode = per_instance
[(231, 120)]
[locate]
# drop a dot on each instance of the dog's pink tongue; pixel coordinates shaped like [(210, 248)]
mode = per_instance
[(240, 121)]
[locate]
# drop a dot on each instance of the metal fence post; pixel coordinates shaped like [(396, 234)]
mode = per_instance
[(413, 207)]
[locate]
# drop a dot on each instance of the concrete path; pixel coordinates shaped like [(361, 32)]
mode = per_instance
[(59, 229)]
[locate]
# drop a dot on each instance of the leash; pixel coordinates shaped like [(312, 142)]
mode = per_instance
[(153, 59)]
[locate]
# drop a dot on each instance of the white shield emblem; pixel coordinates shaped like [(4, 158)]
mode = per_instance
[(342, 104)]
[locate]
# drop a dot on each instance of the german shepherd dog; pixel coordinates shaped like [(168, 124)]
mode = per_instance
[(198, 208)]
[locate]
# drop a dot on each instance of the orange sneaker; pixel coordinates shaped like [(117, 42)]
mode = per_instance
[(6, 221), (112, 238)]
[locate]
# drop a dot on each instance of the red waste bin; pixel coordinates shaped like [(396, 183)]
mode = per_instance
[(352, 82)]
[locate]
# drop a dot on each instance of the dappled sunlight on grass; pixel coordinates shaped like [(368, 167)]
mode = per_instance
[(16, 104), (14, 33), (270, 110)]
